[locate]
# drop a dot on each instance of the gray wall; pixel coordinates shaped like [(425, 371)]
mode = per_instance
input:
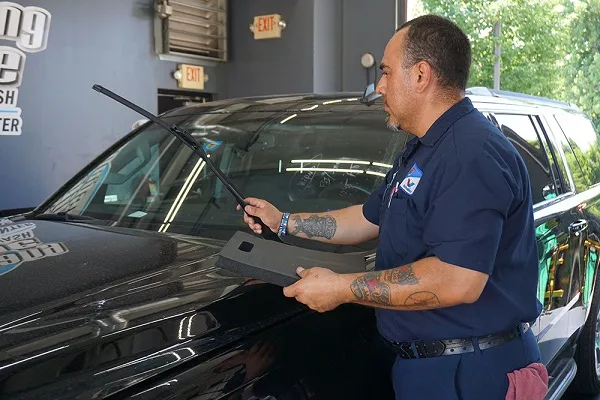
[(327, 46), (366, 28), (65, 122), (270, 66), (319, 50)]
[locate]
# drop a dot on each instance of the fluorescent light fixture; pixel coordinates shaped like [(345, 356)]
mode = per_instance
[(283, 121), (382, 165), (332, 101), (309, 108), (352, 99), (355, 171), (332, 161), (375, 173)]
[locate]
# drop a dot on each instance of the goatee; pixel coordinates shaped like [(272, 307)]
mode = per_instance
[(391, 126)]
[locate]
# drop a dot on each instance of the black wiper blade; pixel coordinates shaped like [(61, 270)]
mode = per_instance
[(63, 217), (189, 141)]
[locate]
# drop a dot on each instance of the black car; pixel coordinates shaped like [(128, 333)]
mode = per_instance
[(110, 289)]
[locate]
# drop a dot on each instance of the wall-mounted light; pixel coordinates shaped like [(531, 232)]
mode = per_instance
[(367, 60)]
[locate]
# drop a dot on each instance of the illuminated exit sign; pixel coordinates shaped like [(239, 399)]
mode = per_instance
[(267, 26), (190, 77)]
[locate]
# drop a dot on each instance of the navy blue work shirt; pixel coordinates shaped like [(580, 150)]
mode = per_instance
[(460, 193)]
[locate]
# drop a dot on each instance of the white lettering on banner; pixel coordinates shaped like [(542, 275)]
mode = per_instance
[(28, 27)]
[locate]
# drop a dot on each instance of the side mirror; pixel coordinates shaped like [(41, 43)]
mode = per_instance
[(370, 95), (138, 123)]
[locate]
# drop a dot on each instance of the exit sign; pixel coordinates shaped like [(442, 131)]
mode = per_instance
[(267, 26), (191, 77)]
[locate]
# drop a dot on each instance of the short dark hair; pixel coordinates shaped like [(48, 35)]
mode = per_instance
[(443, 45)]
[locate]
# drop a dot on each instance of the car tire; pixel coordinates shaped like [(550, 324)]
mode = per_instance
[(587, 355)]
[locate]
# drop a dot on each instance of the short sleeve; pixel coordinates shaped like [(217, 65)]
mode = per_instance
[(464, 222), (371, 207)]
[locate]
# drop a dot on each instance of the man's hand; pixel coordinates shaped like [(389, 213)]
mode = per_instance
[(264, 210), (426, 284), (319, 288)]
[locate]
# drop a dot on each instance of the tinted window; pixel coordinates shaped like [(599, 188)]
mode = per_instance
[(578, 181), (521, 132), (585, 143), (562, 183), (299, 161)]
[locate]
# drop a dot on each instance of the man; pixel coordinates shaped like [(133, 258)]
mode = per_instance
[(456, 272)]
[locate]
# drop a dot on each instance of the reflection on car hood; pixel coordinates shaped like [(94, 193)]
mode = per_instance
[(76, 298)]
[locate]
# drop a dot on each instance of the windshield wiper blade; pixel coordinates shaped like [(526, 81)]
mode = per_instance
[(189, 141), (63, 216)]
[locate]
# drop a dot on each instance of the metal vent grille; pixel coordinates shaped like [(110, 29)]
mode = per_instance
[(192, 29)]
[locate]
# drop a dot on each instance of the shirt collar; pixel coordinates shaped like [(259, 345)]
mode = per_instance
[(446, 120)]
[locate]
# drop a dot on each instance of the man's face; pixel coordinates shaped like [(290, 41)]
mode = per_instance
[(395, 84)]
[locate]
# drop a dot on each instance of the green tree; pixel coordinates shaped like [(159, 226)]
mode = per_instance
[(533, 40), (583, 73)]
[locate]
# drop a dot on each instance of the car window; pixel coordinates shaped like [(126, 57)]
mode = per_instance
[(299, 161), (585, 143), (521, 132), (578, 181), (562, 183)]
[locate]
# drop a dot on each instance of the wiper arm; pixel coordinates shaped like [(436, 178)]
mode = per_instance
[(189, 141), (63, 216)]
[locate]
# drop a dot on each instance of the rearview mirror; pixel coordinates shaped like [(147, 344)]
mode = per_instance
[(370, 95)]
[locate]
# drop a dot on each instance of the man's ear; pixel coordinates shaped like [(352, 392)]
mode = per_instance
[(423, 76)]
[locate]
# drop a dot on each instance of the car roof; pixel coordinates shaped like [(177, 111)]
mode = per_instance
[(351, 102)]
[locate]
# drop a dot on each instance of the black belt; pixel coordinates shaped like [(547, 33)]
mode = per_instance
[(448, 347)]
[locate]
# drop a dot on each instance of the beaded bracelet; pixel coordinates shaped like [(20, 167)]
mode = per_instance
[(283, 225)]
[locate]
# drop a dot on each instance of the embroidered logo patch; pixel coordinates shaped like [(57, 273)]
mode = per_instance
[(411, 180)]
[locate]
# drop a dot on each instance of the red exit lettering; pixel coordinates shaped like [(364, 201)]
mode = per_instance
[(192, 74), (266, 24)]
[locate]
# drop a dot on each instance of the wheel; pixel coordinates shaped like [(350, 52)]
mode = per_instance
[(587, 355)]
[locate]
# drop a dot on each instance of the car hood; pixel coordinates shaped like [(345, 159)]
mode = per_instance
[(81, 302)]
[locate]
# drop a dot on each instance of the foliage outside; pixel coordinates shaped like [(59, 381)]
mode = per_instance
[(549, 48)]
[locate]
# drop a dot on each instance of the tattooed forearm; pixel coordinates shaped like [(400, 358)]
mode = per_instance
[(421, 301), (374, 287), (369, 287), (315, 226), (402, 275)]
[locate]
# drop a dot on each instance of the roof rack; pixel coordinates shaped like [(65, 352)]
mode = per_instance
[(484, 91)]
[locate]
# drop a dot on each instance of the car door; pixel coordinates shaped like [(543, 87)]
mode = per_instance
[(559, 232), (585, 141)]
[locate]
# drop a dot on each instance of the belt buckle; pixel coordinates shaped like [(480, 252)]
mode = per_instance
[(430, 348)]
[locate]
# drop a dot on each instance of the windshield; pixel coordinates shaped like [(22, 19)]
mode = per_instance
[(300, 162)]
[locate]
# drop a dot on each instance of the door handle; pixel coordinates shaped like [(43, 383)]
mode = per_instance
[(578, 226)]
